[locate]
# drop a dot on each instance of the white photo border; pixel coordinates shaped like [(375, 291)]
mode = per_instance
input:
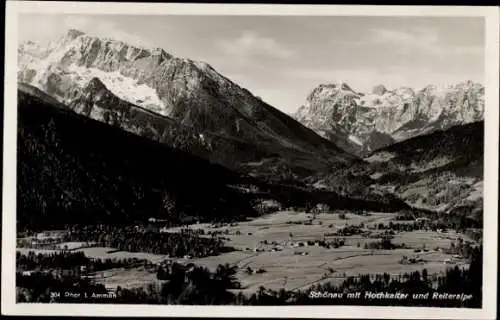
[(9, 306)]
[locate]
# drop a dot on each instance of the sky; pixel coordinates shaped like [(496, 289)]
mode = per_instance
[(282, 58)]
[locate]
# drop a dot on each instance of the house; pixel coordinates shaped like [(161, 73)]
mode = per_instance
[(188, 220), (321, 208), (267, 206), (51, 235), (154, 220), (21, 242)]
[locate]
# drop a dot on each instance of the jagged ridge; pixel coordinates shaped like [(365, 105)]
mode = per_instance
[(190, 93), (362, 122)]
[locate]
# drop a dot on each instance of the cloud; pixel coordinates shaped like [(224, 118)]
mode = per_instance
[(420, 39), (43, 28), (110, 30), (361, 79), (250, 44), (364, 79)]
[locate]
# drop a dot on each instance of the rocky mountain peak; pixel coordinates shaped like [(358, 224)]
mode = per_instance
[(336, 85), (74, 33), (95, 85), (379, 89)]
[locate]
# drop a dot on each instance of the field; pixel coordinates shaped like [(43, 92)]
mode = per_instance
[(285, 268), (271, 243), (127, 278)]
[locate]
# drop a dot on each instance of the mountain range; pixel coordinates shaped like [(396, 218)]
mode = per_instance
[(364, 122), (151, 93), (385, 149), (76, 170)]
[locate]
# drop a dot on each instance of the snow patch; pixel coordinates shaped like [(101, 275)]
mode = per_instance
[(476, 193), (320, 185), (433, 164), (97, 113), (123, 87), (380, 157), (355, 140), (376, 175)]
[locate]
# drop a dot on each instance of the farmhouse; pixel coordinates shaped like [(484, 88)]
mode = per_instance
[(188, 220), (299, 253), (321, 208), (50, 236), (156, 220), (267, 206)]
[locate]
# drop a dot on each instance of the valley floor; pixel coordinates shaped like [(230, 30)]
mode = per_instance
[(283, 246)]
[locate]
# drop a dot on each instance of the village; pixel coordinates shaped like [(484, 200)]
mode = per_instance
[(283, 249)]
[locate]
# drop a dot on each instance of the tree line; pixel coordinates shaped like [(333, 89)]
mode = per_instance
[(72, 170), (178, 244), (191, 284), (68, 260)]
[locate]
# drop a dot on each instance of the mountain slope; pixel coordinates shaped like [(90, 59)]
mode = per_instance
[(362, 123), (73, 169), (442, 171), (77, 68)]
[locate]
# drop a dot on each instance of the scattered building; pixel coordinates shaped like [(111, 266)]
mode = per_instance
[(321, 208), (268, 206), (50, 236)]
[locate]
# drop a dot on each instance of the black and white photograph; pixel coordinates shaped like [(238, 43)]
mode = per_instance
[(176, 157)]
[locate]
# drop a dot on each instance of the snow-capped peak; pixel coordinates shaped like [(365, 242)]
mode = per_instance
[(336, 107), (76, 58)]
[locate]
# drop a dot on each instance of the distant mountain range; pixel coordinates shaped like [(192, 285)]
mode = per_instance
[(180, 102), (363, 122)]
